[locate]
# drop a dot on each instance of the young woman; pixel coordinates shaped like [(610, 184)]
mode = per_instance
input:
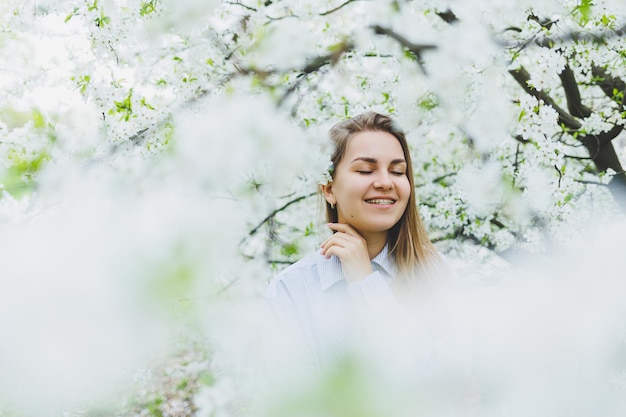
[(379, 249)]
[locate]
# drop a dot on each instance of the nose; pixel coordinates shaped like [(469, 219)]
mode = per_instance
[(383, 181)]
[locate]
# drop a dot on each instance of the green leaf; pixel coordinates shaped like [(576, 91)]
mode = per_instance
[(18, 179), (38, 120), (289, 249), (168, 132), (583, 10), (124, 107), (147, 7), (154, 407), (82, 83), (15, 184), (102, 21), (26, 165), (339, 46), (428, 102), (174, 278), (207, 379), (409, 54), (14, 119), (144, 103), (72, 14), (182, 384), (189, 78)]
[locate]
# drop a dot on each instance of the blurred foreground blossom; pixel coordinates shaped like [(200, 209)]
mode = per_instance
[(158, 163), (546, 337)]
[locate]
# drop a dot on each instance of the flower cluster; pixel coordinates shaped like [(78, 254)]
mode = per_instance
[(156, 156)]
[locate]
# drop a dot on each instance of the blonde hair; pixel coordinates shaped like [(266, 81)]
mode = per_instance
[(408, 240)]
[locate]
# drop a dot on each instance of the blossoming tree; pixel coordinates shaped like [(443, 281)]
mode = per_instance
[(177, 145)]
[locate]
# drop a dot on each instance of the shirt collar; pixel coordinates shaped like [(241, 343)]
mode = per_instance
[(329, 270), (383, 261)]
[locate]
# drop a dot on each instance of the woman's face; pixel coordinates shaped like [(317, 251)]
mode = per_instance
[(370, 187)]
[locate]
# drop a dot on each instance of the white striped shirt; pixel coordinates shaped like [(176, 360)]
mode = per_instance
[(313, 297)]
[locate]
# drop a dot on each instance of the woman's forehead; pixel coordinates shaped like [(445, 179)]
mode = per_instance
[(374, 144)]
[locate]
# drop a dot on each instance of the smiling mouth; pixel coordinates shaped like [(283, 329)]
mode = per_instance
[(380, 201)]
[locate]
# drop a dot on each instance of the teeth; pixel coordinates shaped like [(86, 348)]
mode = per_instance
[(380, 201)]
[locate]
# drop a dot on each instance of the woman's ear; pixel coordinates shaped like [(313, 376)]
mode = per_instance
[(327, 190)]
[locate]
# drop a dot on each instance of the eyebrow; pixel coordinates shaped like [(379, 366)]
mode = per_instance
[(373, 160)]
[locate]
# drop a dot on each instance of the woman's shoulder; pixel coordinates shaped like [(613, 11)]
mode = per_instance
[(306, 263), (302, 272)]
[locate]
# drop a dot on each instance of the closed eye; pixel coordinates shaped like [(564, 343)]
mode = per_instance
[(398, 173), (365, 172)]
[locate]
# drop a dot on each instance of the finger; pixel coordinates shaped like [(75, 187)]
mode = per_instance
[(338, 239), (345, 228), (338, 251), (350, 243), (335, 235)]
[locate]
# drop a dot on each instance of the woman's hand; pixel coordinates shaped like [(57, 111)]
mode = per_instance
[(351, 248)]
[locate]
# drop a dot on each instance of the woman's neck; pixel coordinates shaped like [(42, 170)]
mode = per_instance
[(375, 243)]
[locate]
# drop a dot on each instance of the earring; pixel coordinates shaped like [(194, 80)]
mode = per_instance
[(332, 206)]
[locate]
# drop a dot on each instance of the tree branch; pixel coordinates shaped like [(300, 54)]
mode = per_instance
[(606, 137), (497, 223), (236, 3), (578, 158), (521, 139), (337, 8), (595, 142), (572, 94), (522, 77), (609, 84), (460, 235), (586, 182), (315, 65), (296, 105), (440, 178), (600, 147), (594, 37), (415, 49), (544, 23), (448, 16), (560, 174), (117, 58), (518, 151), (278, 210), (287, 16)]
